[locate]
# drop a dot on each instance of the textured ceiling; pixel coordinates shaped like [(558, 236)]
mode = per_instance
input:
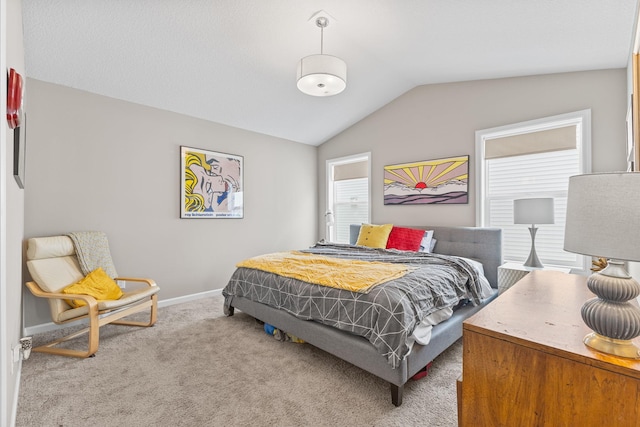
[(234, 62)]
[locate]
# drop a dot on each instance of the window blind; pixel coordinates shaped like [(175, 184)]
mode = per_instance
[(560, 138), (351, 171), (351, 206), (543, 174)]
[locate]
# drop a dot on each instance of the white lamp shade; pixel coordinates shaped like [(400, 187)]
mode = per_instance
[(322, 75), (533, 211), (602, 215), (329, 218)]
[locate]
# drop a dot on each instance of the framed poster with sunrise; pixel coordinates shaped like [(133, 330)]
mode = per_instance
[(211, 184), (429, 182)]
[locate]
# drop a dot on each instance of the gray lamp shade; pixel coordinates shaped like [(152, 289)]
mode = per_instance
[(602, 215), (533, 211)]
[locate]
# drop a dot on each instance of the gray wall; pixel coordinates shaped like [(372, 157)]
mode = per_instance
[(436, 121), (11, 221), (97, 163)]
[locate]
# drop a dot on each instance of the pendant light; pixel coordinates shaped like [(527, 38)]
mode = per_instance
[(322, 75)]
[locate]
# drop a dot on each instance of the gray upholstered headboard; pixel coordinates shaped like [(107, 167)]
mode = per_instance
[(481, 244)]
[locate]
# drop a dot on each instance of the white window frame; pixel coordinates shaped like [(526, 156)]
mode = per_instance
[(581, 118), (330, 164)]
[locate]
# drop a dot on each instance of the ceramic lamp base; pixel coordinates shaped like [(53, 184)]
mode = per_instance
[(533, 260)]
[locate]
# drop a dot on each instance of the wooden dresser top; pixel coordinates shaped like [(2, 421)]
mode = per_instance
[(542, 311)]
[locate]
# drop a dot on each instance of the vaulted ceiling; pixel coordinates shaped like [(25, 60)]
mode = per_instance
[(234, 61)]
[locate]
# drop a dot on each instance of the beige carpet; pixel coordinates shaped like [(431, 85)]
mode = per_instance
[(196, 367)]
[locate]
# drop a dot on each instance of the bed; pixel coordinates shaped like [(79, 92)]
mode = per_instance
[(480, 244)]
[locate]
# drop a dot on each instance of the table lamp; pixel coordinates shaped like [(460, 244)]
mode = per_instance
[(533, 211), (328, 217), (602, 221)]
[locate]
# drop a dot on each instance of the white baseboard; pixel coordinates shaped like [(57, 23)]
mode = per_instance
[(50, 326), (187, 298)]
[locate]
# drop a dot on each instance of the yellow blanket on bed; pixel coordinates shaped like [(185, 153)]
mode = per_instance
[(351, 275)]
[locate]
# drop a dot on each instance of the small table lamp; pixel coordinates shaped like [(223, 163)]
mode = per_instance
[(533, 211), (602, 221), (328, 224)]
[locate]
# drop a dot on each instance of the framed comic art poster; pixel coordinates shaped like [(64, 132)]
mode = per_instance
[(211, 184)]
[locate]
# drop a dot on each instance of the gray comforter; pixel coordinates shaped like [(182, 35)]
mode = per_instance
[(386, 315)]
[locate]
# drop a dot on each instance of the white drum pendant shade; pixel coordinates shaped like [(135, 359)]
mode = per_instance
[(322, 75)]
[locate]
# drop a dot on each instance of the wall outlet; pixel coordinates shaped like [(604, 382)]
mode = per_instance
[(26, 344)]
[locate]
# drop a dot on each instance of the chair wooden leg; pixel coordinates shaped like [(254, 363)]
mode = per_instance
[(94, 330), (153, 316), (93, 339), (63, 352)]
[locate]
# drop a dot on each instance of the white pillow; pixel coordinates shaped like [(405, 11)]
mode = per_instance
[(425, 244)]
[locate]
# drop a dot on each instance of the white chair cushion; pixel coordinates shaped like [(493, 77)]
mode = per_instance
[(126, 299), (53, 274), (49, 247)]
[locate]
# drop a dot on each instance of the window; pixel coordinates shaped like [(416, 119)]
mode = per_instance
[(348, 192), (526, 160)]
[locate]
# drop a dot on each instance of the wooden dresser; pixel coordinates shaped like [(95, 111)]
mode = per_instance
[(524, 363)]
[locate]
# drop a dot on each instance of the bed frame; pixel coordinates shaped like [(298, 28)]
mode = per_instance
[(481, 244)]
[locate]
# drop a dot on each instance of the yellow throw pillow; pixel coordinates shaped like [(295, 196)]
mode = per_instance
[(374, 236), (97, 284)]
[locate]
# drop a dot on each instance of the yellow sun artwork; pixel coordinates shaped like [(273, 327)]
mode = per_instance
[(439, 181)]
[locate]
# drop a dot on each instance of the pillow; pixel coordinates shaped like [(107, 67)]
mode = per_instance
[(374, 236), (425, 244), (405, 239), (97, 284), (432, 244)]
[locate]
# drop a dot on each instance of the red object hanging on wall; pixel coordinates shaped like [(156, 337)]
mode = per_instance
[(14, 99)]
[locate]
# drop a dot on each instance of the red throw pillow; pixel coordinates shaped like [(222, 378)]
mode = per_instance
[(405, 239)]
